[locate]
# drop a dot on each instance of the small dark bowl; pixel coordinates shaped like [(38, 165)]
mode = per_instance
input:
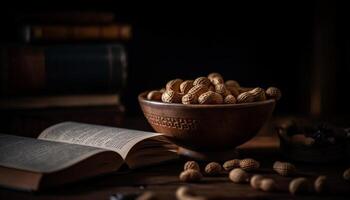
[(207, 127)]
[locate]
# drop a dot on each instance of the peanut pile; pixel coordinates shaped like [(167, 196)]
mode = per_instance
[(211, 90)]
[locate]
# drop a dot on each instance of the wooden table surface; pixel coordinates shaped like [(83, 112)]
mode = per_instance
[(163, 181)]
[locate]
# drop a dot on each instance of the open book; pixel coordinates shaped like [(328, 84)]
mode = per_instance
[(71, 151)]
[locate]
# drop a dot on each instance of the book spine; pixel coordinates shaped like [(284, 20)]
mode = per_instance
[(67, 17), (31, 123), (62, 69), (33, 33)]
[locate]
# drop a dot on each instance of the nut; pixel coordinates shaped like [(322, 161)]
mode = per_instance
[(197, 90), (245, 97), (189, 99), (299, 186), (238, 176), (191, 165), (202, 81), (186, 86), (214, 74), (230, 99), (211, 88), (284, 168), (190, 175), (222, 90), (268, 185), (273, 93), (217, 80), (229, 92), (232, 83), (346, 174), (170, 96), (258, 93), (320, 184), (210, 98), (249, 164), (302, 139), (213, 168), (185, 193), (174, 85), (231, 164), (255, 181), (147, 196), (233, 90), (244, 89), (155, 95)]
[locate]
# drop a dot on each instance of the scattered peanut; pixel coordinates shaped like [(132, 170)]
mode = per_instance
[(238, 176), (268, 185), (147, 196), (190, 175), (302, 139), (255, 181), (284, 168), (185, 193), (249, 164), (346, 174), (191, 165), (231, 164), (320, 184), (299, 186), (213, 168)]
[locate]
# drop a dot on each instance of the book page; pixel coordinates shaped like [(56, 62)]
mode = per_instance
[(116, 139), (39, 155)]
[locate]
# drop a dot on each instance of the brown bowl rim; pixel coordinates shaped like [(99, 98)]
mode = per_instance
[(142, 98)]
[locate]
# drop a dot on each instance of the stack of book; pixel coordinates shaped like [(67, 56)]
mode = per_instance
[(65, 66)]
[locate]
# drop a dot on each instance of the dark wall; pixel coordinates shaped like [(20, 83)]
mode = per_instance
[(258, 44), (254, 44)]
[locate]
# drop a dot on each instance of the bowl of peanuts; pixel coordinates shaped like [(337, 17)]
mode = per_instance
[(207, 113)]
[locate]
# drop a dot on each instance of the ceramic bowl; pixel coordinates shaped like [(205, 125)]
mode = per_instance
[(207, 127)]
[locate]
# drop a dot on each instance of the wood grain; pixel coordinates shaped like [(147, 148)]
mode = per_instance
[(163, 180)]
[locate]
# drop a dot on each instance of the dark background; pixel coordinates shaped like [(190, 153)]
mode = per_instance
[(300, 47)]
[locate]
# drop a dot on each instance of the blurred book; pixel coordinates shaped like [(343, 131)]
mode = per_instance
[(65, 17), (63, 101), (49, 33), (30, 122), (64, 68), (71, 66)]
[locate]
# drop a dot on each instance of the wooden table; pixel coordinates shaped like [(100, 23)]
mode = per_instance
[(163, 180)]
